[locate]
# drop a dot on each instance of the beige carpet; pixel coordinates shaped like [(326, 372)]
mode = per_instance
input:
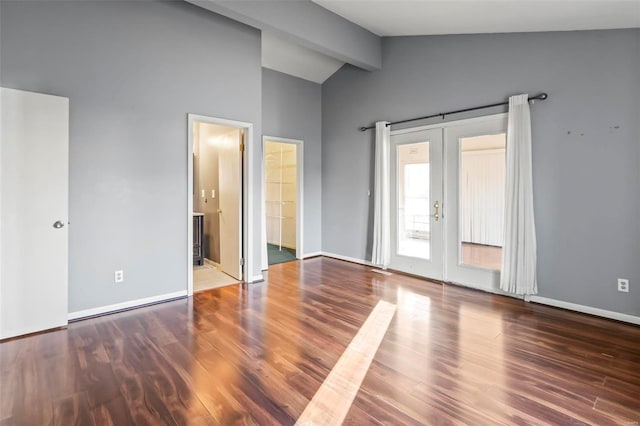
[(207, 276)]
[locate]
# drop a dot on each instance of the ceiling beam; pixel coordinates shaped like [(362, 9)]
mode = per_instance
[(306, 24)]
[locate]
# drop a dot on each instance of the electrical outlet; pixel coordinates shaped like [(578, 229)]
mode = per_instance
[(623, 285), (118, 276)]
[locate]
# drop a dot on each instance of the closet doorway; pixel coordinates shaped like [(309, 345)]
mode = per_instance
[(283, 195), (447, 200)]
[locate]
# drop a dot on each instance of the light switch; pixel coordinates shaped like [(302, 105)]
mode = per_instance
[(202, 193), (213, 193)]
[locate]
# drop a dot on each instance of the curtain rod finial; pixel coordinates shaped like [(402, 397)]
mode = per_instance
[(543, 96), (362, 129)]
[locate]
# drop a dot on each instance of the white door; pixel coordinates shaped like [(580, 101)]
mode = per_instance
[(34, 212), (416, 203), (230, 203), (474, 190)]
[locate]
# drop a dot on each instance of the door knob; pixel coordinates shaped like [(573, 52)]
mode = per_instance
[(437, 213), (58, 224), (219, 211)]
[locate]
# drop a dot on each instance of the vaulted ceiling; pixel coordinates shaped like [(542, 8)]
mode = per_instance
[(428, 17), (312, 39)]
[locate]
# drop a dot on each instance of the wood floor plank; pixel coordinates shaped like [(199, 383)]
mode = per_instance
[(257, 354), (73, 410), (331, 403)]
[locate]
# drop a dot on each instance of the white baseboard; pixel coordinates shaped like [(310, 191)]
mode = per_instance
[(211, 262), (585, 309), (8, 334), (125, 305), (632, 319), (347, 258), (491, 290), (256, 278), (313, 254)]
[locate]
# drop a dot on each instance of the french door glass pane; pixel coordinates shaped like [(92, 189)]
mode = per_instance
[(414, 238), (482, 187)]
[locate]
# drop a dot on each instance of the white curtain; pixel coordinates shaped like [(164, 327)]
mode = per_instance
[(482, 197), (519, 251), (381, 222)]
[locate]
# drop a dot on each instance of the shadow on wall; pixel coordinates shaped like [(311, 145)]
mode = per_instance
[(372, 180)]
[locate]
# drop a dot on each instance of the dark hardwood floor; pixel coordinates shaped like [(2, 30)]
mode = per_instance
[(258, 354)]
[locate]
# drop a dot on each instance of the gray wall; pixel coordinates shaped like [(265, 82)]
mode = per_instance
[(291, 108), (132, 72), (586, 146)]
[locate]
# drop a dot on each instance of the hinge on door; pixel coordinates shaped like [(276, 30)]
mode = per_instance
[(242, 147), (241, 262)]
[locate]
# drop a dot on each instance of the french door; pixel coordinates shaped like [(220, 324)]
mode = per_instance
[(416, 200), (447, 201)]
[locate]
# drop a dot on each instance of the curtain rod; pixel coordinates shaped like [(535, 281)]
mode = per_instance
[(540, 97)]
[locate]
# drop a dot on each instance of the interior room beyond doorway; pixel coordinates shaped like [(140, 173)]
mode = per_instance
[(217, 191), (281, 200)]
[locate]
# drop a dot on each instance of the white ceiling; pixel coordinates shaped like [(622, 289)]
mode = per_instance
[(427, 17), (431, 17), (290, 58)]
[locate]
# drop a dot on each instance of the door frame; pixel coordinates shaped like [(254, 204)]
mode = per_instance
[(445, 170), (247, 195), (459, 273), (299, 195), (445, 124)]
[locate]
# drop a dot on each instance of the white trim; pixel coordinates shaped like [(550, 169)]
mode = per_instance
[(299, 195), (8, 334), (126, 305), (452, 123), (347, 258), (313, 254), (247, 190), (632, 319), (491, 290), (585, 309), (256, 278), (485, 151), (210, 262)]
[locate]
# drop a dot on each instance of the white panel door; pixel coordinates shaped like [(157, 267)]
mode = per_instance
[(474, 189), (230, 204), (416, 203), (34, 212)]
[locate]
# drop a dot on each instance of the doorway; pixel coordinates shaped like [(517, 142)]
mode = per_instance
[(218, 211), (447, 201), (283, 198)]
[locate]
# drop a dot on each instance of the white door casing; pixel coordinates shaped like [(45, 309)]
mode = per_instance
[(446, 252), (248, 237), (299, 144), (34, 212), (230, 203)]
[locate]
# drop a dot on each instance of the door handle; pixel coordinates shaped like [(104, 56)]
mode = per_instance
[(219, 211), (436, 206), (58, 224)]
